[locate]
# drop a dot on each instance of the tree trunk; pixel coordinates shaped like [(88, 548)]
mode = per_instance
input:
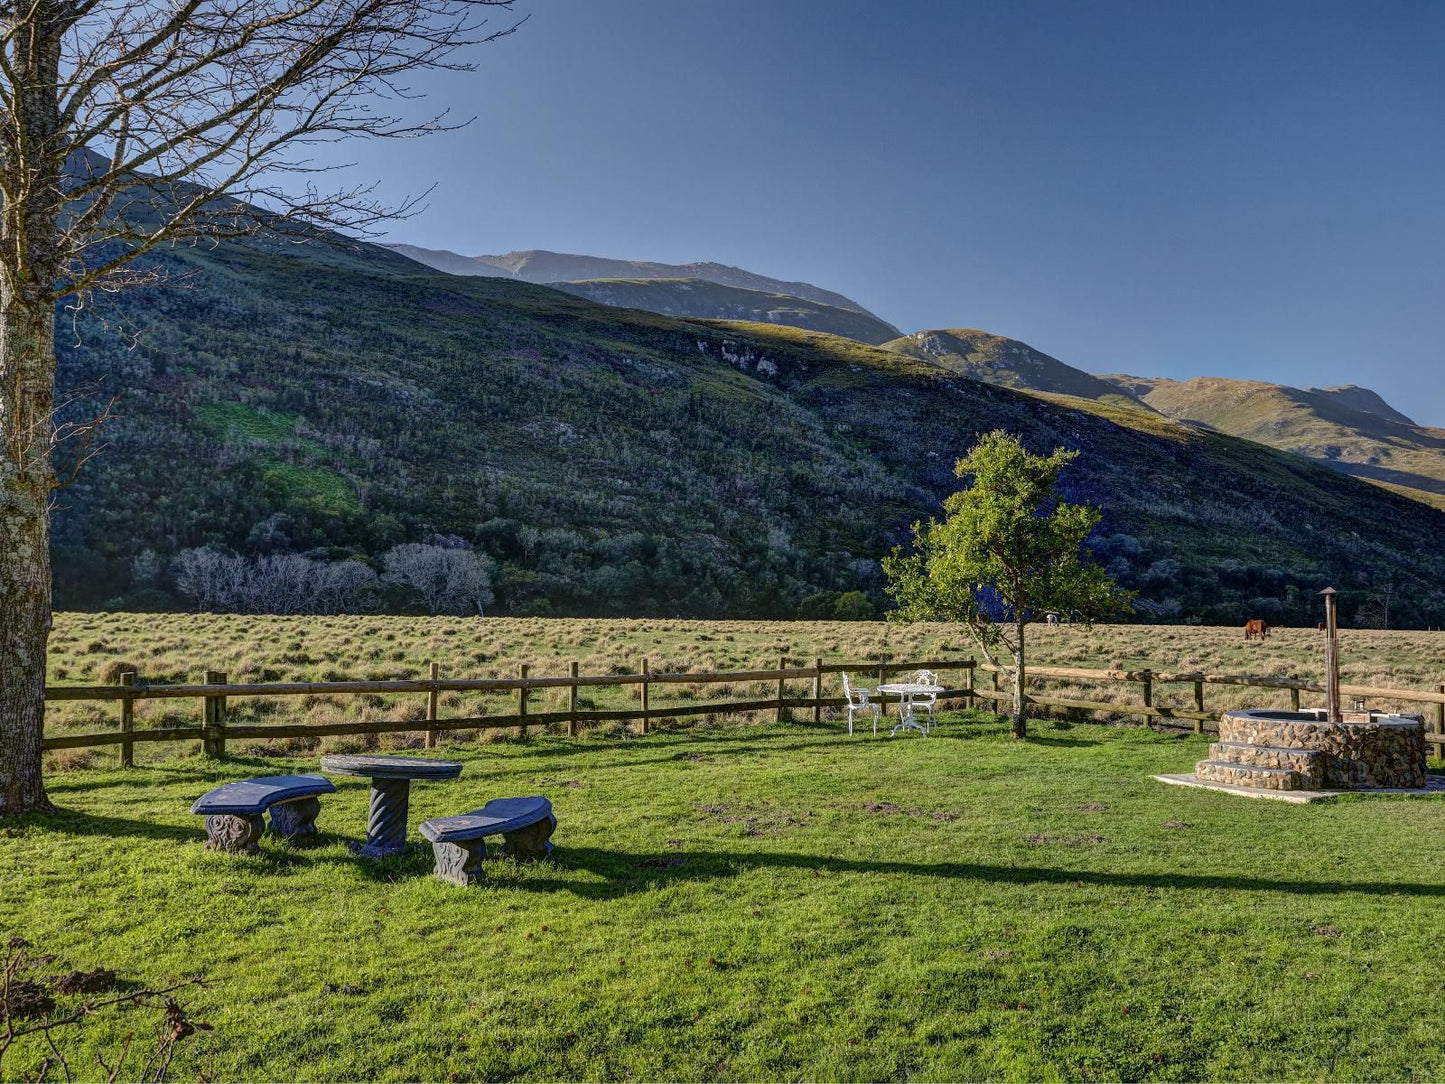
[(30, 143), (27, 478), (1020, 723)]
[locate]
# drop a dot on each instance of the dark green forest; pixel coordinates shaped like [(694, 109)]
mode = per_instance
[(298, 399)]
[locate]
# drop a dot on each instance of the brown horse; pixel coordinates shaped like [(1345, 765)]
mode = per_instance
[(1256, 628)]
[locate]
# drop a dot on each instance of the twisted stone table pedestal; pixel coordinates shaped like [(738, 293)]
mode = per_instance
[(391, 779)]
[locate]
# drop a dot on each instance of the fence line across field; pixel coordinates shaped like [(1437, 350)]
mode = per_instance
[(215, 691)]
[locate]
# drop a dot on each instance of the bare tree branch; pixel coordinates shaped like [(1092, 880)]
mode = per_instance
[(178, 121), (127, 126)]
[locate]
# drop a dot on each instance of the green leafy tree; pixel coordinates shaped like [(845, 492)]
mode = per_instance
[(1007, 552), (853, 606)]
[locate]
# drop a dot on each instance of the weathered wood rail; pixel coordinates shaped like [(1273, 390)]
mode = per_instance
[(1148, 679), (214, 730)]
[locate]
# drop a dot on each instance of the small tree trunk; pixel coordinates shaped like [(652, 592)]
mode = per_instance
[(27, 477), (1020, 723)]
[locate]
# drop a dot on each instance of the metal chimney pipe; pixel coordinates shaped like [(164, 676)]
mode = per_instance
[(1332, 657)]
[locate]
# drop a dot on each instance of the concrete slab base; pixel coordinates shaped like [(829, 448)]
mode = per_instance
[(1434, 785)]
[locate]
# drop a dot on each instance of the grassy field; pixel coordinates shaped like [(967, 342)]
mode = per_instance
[(763, 902), (95, 648)]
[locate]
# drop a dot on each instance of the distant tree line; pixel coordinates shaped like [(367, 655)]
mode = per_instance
[(445, 576)]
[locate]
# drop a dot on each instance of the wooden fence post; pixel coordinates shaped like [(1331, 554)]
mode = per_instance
[(1148, 682), (1440, 717), (970, 699), (431, 708), (645, 700), (1293, 698), (817, 691), (882, 701), (127, 723), (213, 741), (782, 714), (572, 703), (523, 671), (1199, 706)]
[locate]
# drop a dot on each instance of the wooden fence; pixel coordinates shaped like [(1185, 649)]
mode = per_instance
[(1198, 679), (214, 730)]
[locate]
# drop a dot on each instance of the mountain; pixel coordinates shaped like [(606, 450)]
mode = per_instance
[(541, 266), (1005, 362), (1350, 429), (612, 461), (699, 298)]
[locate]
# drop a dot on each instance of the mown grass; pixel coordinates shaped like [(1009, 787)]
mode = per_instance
[(771, 902)]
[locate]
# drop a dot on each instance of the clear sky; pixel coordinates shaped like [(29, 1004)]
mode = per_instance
[(1166, 189)]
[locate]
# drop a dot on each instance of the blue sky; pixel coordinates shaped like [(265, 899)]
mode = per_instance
[(1166, 189)]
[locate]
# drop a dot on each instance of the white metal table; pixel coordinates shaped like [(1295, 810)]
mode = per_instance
[(906, 691)]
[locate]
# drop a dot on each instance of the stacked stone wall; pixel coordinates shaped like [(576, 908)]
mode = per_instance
[(1385, 751)]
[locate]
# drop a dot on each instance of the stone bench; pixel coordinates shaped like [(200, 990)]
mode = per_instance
[(458, 843), (233, 812)]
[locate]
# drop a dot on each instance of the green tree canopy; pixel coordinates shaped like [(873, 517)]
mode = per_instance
[(1006, 553)]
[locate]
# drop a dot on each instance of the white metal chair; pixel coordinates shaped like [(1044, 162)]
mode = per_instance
[(858, 701), (926, 700)]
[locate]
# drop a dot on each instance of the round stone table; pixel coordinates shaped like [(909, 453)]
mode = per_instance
[(390, 794)]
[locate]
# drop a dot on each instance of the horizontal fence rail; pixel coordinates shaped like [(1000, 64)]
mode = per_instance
[(214, 730)]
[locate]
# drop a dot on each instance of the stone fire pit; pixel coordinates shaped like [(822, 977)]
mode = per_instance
[(1303, 756), (1300, 756), (1303, 750)]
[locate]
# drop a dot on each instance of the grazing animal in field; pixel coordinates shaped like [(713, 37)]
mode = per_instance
[(1051, 618), (1256, 629), (1320, 626)]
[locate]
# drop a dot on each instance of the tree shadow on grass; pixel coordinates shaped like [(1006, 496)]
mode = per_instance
[(73, 822), (626, 873), (150, 776), (275, 852)]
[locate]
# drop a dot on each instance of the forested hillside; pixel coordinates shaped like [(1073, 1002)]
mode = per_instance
[(291, 400)]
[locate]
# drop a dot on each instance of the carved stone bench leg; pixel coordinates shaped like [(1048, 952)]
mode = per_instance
[(531, 842), (459, 863), (296, 820), (234, 833)]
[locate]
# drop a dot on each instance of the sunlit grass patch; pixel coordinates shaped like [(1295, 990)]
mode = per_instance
[(768, 902)]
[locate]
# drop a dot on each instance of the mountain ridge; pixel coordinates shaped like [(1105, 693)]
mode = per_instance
[(1347, 427), (543, 267), (701, 299), (1004, 362)]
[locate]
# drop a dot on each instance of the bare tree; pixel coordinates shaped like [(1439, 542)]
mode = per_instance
[(285, 583), (445, 578), (1374, 612), (128, 125)]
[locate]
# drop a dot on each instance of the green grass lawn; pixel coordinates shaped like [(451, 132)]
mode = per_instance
[(770, 902)]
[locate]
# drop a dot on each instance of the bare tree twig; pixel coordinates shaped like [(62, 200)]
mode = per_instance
[(175, 1027)]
